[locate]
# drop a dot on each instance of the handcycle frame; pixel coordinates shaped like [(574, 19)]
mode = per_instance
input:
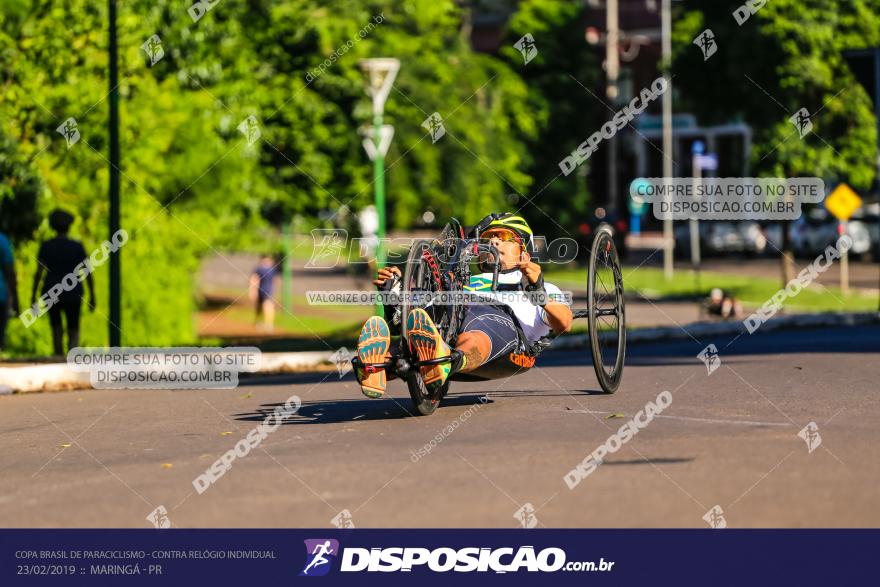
[(443, 265)]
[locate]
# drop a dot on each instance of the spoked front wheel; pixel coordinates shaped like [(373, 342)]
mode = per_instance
[(424, 401), (607, 316)]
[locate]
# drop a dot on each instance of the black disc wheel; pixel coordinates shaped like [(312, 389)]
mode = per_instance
[(607, 316), (421, 279)]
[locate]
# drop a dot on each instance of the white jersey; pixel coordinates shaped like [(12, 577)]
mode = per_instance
[(532, 319)]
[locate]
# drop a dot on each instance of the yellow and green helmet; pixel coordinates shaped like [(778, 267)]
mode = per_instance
[(512, 222)]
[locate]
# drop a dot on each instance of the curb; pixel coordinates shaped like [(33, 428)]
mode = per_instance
[(58, 377), (713, 328)]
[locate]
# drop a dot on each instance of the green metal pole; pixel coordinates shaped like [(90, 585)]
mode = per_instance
[(379, 174), (286, 273), (115, 279)]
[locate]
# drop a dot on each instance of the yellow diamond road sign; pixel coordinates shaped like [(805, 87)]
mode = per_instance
[(842, 202)]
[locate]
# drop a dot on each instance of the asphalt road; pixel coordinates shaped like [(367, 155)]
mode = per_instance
[(729, 439)]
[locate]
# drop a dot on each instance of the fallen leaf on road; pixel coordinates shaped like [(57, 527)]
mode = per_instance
[(246, 396)]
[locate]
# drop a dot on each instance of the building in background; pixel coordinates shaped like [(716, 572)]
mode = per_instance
[(639, 147)]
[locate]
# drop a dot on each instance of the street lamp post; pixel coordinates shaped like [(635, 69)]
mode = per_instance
[(612, 69), (666, 44), (113, 100), (380, 77), (697, 150)]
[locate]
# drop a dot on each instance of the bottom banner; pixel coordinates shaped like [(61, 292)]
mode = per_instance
[(600, 557)]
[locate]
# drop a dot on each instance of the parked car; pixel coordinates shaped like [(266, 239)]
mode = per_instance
[(816, 229), (719, 237), (868, 217), (587, 230), (773, 234)]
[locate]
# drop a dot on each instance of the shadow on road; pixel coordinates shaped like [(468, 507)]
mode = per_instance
[(292, 378), (549, 393), (654, 461), (355, 410), (762, 346), (860, 339)]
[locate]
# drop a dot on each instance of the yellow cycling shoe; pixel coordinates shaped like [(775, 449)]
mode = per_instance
[(372, 346), (427, 343)]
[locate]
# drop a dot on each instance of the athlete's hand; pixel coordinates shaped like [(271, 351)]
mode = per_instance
[(384, 274), (532, 271)]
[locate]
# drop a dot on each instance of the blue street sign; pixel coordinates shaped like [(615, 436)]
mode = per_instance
[(636, 203), (708, 161)]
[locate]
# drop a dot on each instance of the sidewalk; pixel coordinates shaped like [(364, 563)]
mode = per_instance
[(30, 377)]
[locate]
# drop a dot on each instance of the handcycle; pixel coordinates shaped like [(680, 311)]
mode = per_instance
[(443, 266)]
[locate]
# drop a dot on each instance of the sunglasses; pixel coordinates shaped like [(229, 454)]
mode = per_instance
[(501, 234)]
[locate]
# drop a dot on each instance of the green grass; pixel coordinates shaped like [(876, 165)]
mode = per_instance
[(752, 291), (304, 322)]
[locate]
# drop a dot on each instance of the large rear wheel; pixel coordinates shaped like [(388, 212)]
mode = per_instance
[(607, 316)]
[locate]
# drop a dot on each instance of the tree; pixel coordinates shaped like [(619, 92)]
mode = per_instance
[(562, 109), (20, 189), (191, 181), (786, 56)]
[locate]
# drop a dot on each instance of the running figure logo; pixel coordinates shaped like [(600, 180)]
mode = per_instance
[(526, 46), (153, 48), (706, 42), (342, 359), (69, 131), (159, 517), (715, 518), (327, 245), (343, 520), (810, 435), (526, 516), (801, 121), (250, 128), (710, 358), (319, 555), (434, 124)]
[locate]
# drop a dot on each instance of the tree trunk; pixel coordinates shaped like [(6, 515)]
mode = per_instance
[(787, 258)]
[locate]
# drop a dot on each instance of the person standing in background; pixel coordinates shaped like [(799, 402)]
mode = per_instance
[(8, 288), (58, 258), (261, 287)]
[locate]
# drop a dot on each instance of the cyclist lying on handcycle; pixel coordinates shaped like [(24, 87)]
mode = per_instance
[(493, 337)]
